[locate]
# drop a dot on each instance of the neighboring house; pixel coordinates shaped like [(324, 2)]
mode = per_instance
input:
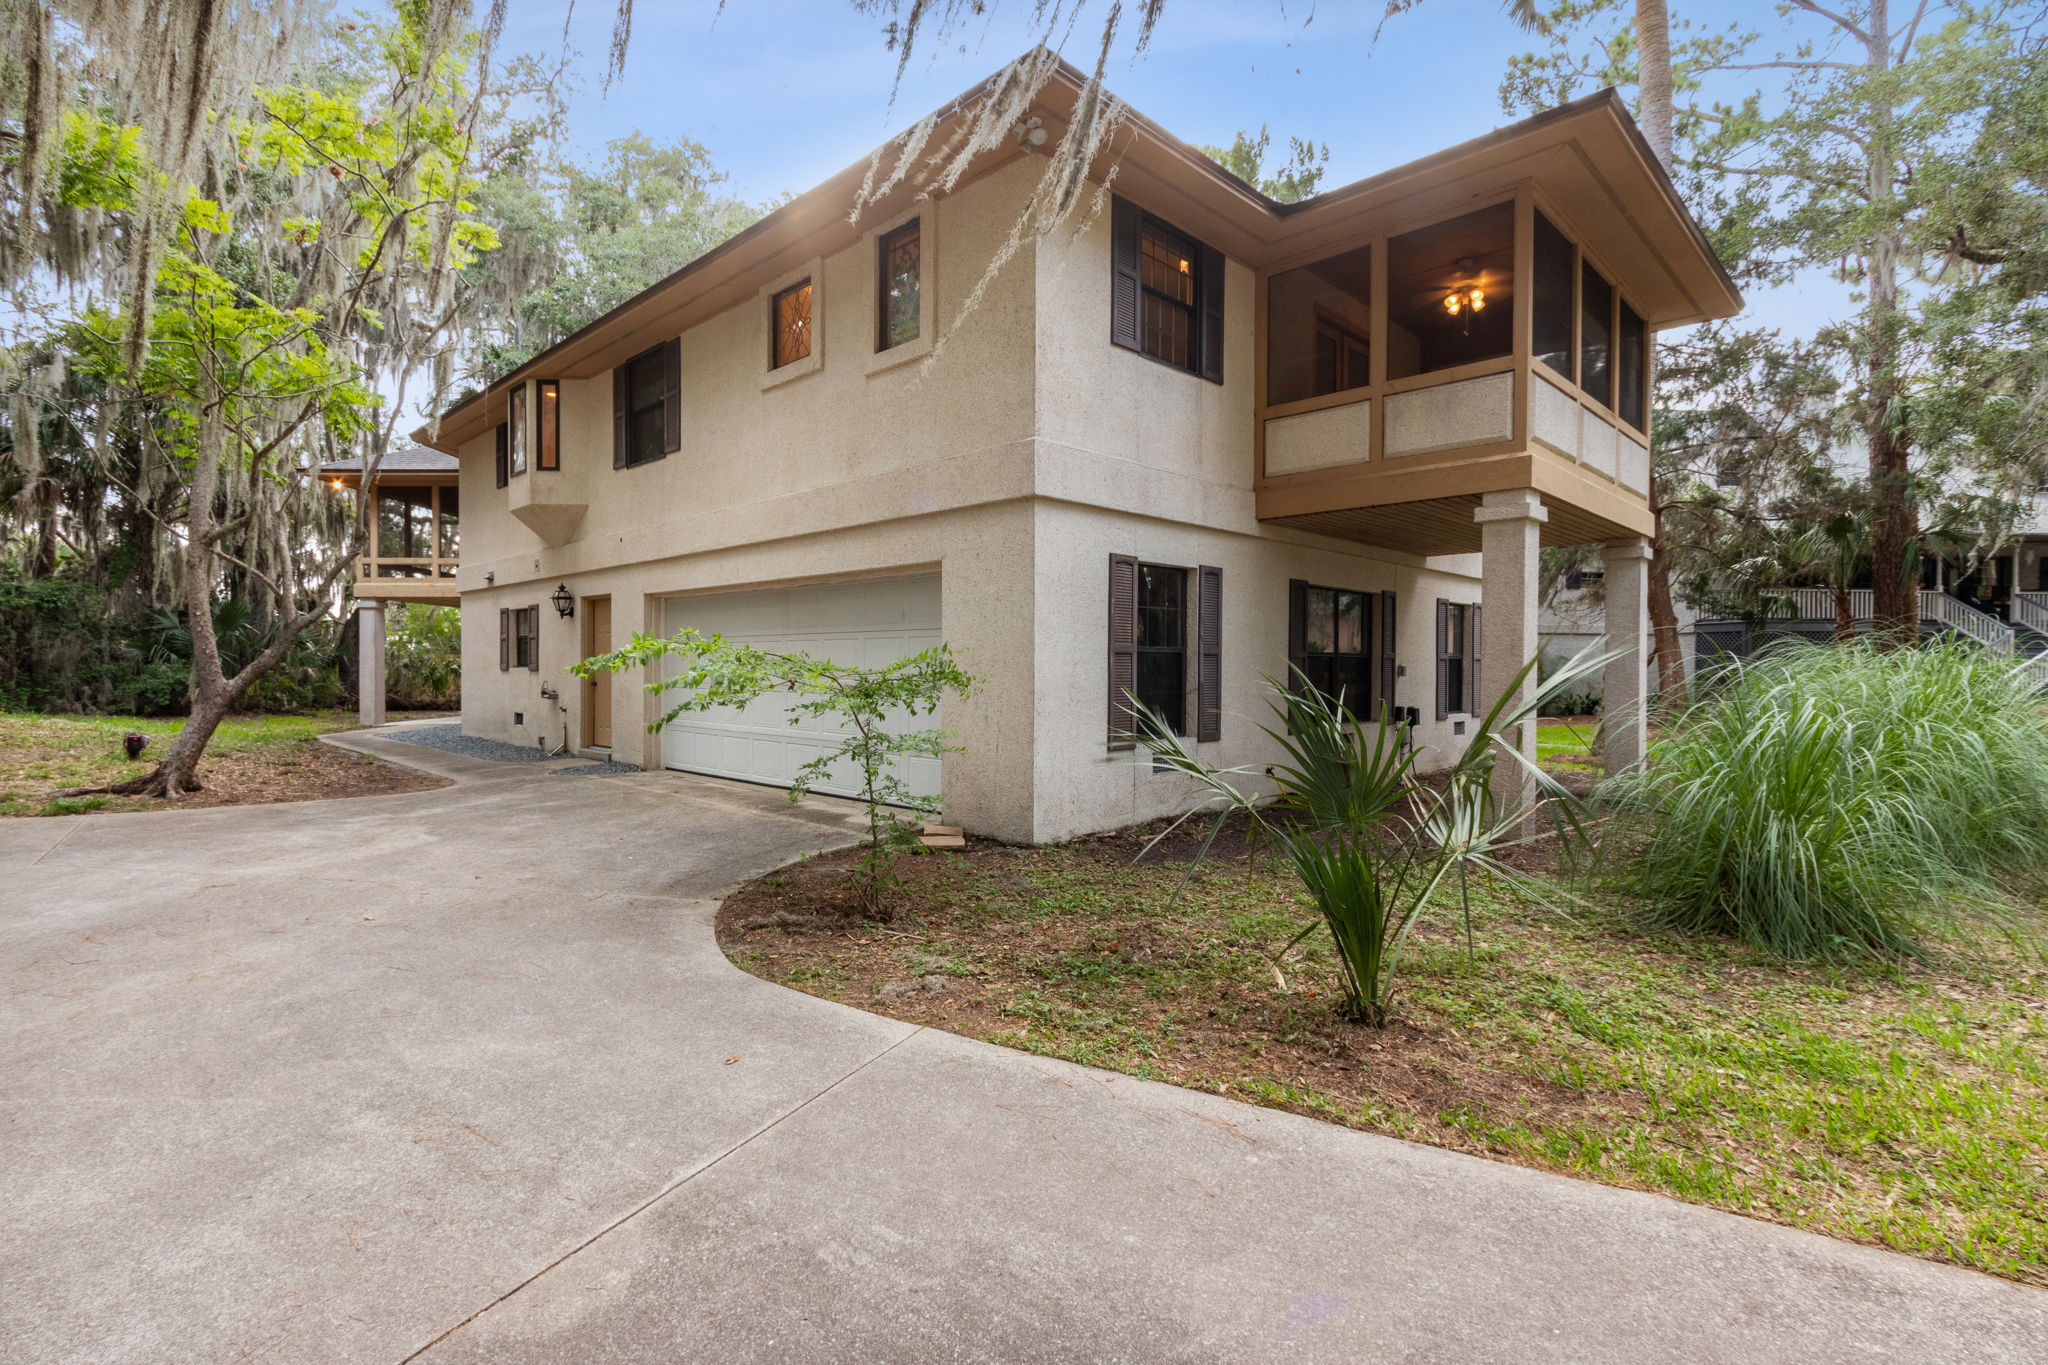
[(415, 540), (1202, 436)]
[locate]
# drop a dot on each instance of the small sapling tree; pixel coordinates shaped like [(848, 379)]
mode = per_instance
[(871, 704)]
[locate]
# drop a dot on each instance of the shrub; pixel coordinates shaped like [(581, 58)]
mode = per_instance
[(1823, 801), (1373, 846)]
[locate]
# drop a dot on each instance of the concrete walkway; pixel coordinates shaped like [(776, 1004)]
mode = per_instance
[(461, 1075)]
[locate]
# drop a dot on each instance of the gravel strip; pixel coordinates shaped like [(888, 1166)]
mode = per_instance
[(450, 739), (596, 770)]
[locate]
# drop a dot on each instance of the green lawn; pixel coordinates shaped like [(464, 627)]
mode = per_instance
[(1566, 744), (1907, 1109), (42, 753)]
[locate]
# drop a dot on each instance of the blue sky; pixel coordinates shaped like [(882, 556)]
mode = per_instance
[(786, 92)]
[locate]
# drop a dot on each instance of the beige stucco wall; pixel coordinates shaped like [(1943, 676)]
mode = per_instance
[(1026, 452)]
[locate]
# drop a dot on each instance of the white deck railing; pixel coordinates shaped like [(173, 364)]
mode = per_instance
[(2030, 609), (1818, 604)]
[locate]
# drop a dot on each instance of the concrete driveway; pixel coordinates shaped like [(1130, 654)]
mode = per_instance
[(461, 1075)]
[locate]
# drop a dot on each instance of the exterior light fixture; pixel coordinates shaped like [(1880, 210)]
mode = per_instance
[(1465, 299), (564, 600)]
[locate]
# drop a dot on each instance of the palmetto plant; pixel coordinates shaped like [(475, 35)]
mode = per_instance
[(1375, 846)]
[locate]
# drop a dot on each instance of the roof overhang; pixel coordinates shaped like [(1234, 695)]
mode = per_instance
[(1590, 161)]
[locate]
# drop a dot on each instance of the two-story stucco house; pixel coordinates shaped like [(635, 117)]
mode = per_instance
[(1201, 436)]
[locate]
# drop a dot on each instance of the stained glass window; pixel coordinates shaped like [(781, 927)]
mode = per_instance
[(791, 316), (902, 285)]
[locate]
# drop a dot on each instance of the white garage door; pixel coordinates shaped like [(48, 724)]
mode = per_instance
[(871, 622)]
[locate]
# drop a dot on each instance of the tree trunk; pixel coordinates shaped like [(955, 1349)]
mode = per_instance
[(1653, 81), (1895, 608), (1666, 649), (1845, 617), (1653, 76)]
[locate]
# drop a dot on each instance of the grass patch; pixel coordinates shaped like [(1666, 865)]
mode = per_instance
[(253, 758), (1904, 1108)]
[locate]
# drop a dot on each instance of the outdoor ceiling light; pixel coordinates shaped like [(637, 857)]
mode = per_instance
[(1465, 299), (564, 600)]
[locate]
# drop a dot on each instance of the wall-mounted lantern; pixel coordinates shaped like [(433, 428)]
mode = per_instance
[(564, 600)]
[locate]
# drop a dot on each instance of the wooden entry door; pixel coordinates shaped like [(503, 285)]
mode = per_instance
[(597, 689)]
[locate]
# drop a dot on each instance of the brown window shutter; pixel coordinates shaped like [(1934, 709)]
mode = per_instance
[(1210, 287), (1123, 650), (1472, 647), (1297, 631), (672, 394), (1443, 659), (618, 417), (504, 455), (1124, 292), (504, 638), (1209, 664), (533, 639), (1388, 637)]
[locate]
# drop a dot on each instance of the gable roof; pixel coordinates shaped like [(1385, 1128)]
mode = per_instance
[(1611, 193)]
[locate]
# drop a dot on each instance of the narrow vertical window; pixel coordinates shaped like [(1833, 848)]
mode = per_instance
[(1455, 656), (549, 453), (1596, 335), (499, 438), (789, 315), (515, 422), (1551, 298), (902, 286), (1162, 643), (1166, 272), (1632, 366), (448, 534)]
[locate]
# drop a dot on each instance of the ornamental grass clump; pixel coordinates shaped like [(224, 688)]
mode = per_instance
[(1823, 802)]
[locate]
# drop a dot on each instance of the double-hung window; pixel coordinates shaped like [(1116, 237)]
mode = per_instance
[(642, 395), (1163, 643), (1457, 659), (1166, 293)]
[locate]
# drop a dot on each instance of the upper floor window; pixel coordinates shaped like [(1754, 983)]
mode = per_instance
[(1551, 297), (899, 306), (647, 419), (1451, 293), (1609, 359), (1596, 335), (1318, 320), (1166, 270), (789, 314), (515, 423), (1166, 293), (548, 440)]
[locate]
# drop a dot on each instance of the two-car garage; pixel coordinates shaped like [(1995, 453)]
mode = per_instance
[(867, 621)]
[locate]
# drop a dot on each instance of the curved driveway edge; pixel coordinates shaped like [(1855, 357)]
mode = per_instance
[(462, 1074)]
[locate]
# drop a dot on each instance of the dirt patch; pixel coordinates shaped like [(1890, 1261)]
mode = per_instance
[(965, 952), (305, 770)]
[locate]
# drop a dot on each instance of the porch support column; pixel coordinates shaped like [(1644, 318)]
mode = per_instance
[(370, 661), (1624, 689), (1510, 545)]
